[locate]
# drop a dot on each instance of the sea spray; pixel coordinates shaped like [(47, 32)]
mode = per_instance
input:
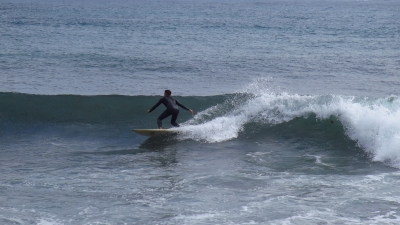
[(372, 123)]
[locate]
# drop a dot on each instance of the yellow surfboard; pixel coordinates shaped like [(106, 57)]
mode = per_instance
[(155, 132)]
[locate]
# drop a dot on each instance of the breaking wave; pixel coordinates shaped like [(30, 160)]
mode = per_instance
[(373, 123)]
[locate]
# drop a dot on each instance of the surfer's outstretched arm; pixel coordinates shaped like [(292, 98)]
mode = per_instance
[(155, 106), (178, 103)]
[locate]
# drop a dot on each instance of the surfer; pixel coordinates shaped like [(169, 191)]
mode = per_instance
[(172, 109)]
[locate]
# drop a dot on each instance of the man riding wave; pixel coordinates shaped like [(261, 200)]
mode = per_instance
[(172, 109)]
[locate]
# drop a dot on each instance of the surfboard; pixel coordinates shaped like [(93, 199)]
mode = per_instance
[(155, 132)]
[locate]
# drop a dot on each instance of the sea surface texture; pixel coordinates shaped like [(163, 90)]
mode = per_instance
[(297, 112)]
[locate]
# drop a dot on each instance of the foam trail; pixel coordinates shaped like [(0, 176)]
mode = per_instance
[(267, 108), (373, 123)]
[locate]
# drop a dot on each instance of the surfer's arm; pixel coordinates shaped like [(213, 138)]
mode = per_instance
[(155, 106), (178, 103)]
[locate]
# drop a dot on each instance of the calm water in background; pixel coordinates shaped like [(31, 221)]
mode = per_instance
[(199, 47), (297, 112)]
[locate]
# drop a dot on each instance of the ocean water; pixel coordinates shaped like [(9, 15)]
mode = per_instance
[(297, 112)]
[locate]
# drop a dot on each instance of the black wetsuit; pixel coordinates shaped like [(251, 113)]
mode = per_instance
[(172, 109)]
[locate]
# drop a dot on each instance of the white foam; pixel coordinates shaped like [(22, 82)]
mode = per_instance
[(388, 218), (373, 123), (266, 108), (317, 217), (375, 126), (48, 221), (195, 218)]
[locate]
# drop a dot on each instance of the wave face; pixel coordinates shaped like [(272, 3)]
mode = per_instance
[(373, 123), (101, 109)]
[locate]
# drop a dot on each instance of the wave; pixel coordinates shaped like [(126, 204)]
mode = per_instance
[(373, 123)]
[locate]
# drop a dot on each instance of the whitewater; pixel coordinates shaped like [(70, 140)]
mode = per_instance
[(372, 123)]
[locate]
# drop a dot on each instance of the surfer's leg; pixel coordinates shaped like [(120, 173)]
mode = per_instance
[(173, 118), (163, 115)]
